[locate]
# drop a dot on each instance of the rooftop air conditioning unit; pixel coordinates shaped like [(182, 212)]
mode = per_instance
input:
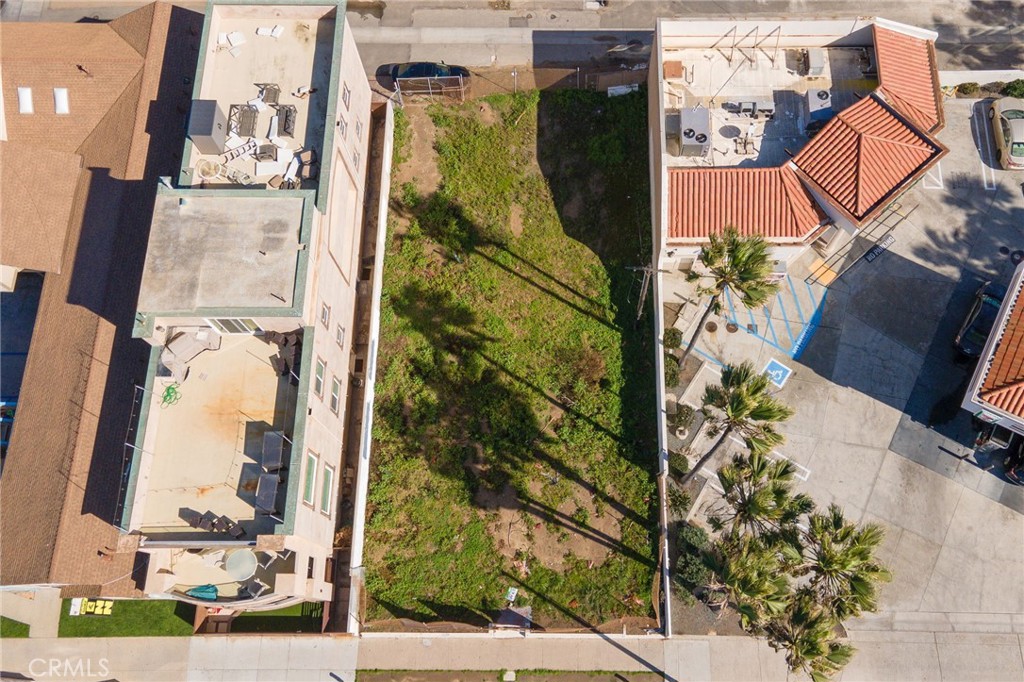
[(819, 105), (815, 61), (689, 132)]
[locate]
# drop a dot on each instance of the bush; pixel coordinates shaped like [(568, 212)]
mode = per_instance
[(683, 418), (691, 571), (968, 89), (691, 539), (678, 501), (1014, 88), (673, 338), (678, 463), (671, 371)]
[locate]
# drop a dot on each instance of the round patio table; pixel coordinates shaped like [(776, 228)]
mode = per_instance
[(241, 564)]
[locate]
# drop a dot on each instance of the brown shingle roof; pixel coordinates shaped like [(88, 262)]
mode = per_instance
[(908, 78), (38, 190), (64, 462), (864, 156), (1003, 387), (771, 202)]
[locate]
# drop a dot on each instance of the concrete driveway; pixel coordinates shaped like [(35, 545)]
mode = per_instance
[(878, 429)]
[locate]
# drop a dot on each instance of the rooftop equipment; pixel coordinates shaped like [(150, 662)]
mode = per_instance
[(688, 132)]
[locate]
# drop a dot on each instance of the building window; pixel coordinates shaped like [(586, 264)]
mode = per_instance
[(234, 325), (339, 336), (309, 482), (343, 126), (25, 101), (359, 130), (318, 377), (346, 95), (325, 314), (60, 101), (335, 394), (355, 160), (326, 497)]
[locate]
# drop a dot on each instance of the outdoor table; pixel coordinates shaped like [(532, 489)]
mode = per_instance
[(241, 564), (266, 493), (273, 450)]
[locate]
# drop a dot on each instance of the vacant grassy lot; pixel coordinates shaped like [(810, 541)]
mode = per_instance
[(131, 618), (514, 435)]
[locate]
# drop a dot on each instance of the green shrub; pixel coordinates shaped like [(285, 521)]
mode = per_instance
[(678, 501), (1014, 88), (691, 538), (691, 571), (410, 196), (401, 143), (673, 338), (671, 371), (968, 89), (678, 463), (683, 418)]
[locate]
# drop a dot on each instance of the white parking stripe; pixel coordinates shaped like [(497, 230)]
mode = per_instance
[(988, 175)]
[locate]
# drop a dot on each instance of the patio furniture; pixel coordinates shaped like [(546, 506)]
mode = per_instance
[(309, 172), (307, 156), (206, 523), (275, 182), (266, 493), (286, 115), (241, 564), (273, 556), (269, 92), (266, 152), (254, 588), (191, 517), (273, 450), (204, 592), (236, 531), (242, 119), (248, 148)]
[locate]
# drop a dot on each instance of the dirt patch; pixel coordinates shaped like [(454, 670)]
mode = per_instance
[(549, 534), (487, 114), (421, 167), (515, 220)]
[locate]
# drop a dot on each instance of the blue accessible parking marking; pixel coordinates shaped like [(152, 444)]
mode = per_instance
[(777, 372)]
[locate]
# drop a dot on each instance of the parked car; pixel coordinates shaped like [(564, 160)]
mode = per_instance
[(970, 340), (427, 76), (1007, 116)]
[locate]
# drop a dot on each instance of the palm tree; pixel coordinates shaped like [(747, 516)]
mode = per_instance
[(839, 556), (734, 263), (807, 633), (758, 497), (749, 574), (741, 404)]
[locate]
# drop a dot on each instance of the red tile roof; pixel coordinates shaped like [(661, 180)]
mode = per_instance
[(1003, 387), (863, 156), (771, 202), (907, 77)]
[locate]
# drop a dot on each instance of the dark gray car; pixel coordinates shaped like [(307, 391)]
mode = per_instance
[(428, 76)]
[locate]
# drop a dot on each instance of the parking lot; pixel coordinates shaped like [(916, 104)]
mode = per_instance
[(878, 429)]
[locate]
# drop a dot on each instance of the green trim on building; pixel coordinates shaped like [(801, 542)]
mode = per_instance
[(292, 499), (140, 439)]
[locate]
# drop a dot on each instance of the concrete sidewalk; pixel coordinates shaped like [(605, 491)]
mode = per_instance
[(895, 656)]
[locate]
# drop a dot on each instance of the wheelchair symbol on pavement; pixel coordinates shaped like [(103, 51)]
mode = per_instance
[(777, 372)]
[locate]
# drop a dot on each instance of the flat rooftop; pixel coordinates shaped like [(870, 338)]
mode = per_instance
[(215, 251), (203, 451), (290, 47), (724, 82)]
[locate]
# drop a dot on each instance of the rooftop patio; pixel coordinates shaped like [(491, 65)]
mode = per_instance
[(774, 83), (223, 575), (269, 73), (209, 468)]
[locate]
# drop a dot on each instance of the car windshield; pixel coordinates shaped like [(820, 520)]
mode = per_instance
[(1013, 114), (416, 70)]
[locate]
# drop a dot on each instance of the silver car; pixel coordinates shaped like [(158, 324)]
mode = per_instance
[(1007, 116)]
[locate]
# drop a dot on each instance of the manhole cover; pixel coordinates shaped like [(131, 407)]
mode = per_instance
[(712, 327), (1016, 257), (731, 328)]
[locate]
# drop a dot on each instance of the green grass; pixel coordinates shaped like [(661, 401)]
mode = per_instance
[(10, 628), (518, 355), (305, 617), (131, 618)]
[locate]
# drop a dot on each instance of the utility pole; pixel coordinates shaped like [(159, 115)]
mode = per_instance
[(648, 272)]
